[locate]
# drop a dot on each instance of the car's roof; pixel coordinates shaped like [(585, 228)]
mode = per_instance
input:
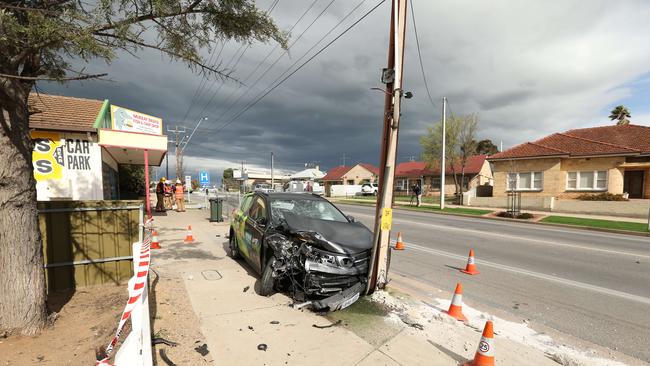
[(293, 196)]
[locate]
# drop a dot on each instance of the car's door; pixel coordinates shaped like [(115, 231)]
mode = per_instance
[(239, 223), (254, 231)]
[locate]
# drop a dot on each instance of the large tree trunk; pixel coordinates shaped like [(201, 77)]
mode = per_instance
[(22, 279)]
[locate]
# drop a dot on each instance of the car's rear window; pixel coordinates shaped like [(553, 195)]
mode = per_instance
[(315, 209)]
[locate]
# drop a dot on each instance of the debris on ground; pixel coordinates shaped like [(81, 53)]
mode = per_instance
[(251, 328), (160, 340), (408, 321), (262, 347), (338, 322), (246, 288), (274, 322), (163, 356), (202, 349), (299, 306)]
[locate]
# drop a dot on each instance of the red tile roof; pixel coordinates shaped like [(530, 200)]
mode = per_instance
[(55, 112), (605, 140), (413, 169), (337, 173)]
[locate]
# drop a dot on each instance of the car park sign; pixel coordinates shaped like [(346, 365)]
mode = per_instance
[(204, 179)]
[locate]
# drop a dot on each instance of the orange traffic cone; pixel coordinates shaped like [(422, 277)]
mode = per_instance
[(485, 352), (399, 245), (154, 240), (188, 237), (456, 306), (471, 267)]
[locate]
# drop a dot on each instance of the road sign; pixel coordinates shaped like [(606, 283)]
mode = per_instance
[(188, 182), (204, 179)]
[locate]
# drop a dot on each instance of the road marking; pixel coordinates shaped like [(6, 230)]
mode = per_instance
[(564, 281), (516, 237)]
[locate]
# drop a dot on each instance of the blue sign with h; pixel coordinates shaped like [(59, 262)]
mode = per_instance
[(204, 178)]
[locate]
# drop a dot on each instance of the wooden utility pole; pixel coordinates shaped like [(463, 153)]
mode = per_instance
[(179, 139), (378, 271)]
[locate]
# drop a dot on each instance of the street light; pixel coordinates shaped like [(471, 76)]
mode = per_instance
[(407, 95)]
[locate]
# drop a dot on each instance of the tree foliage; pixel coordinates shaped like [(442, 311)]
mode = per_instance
[(39, 38), (486, 147), (621, 115), (460, 144)]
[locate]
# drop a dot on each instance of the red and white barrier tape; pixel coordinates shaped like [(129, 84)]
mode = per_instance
[(135, 293)]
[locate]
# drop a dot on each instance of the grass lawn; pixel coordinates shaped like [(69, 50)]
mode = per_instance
[(607, 224), (425, 199), (451, 210)]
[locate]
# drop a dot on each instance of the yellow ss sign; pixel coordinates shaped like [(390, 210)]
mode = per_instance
[(386, 218)]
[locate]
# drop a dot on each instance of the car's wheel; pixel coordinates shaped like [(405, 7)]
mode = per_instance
[(232, 243), (267, 282)]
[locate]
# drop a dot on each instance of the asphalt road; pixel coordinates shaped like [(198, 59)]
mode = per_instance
[(591, 285)]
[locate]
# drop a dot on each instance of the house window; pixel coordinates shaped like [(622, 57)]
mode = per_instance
[(401, 184), (587, 181), (351, 181), (435, 183), (525, 181)]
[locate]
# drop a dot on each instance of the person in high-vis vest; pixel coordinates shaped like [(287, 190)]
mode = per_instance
[(180, 198)]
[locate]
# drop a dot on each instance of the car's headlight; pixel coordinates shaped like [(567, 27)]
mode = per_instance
[(331, 260)]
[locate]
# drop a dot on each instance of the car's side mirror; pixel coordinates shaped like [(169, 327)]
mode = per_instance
[(351, 218)]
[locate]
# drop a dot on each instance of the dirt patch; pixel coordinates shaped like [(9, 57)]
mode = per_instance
[(533, 218), (174, 320), (87, 319)]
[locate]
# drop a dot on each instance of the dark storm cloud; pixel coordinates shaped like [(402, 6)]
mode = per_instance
[(526, 68)]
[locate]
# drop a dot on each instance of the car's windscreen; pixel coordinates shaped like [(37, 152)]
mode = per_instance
[(314, 209)]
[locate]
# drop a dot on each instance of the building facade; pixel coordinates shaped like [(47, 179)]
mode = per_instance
[(608, 159), (77, 151)]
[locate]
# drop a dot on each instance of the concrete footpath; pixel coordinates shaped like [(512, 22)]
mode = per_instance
[(374, 331)]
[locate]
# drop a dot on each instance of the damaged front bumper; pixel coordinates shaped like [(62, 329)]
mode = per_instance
[(335, 280), (340, 300)]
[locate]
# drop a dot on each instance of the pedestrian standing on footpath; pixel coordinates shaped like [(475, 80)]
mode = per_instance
[(418, 193), (160, 195), (169, 200), (180, 198)]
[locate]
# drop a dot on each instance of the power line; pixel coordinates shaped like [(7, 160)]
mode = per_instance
[(417, 43), (250, 105), (274, 62), (260, 64), (268, 11), (202, 83)]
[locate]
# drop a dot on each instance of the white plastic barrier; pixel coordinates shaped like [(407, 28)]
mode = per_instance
[(348, 190), (136, 348)]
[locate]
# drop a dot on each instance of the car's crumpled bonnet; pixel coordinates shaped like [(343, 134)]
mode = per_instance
[(332, 236)]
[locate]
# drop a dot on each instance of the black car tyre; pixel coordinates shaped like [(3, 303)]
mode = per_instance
[(232, 243), (267, 282)]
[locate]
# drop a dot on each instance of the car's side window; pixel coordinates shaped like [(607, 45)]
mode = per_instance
[(258, 210)]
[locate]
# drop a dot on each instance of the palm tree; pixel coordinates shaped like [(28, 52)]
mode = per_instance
[(621, 114)]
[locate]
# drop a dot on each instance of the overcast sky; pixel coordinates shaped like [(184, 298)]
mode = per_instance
[(527, 68)]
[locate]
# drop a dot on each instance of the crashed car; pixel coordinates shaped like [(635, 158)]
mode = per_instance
[(303, 245)]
